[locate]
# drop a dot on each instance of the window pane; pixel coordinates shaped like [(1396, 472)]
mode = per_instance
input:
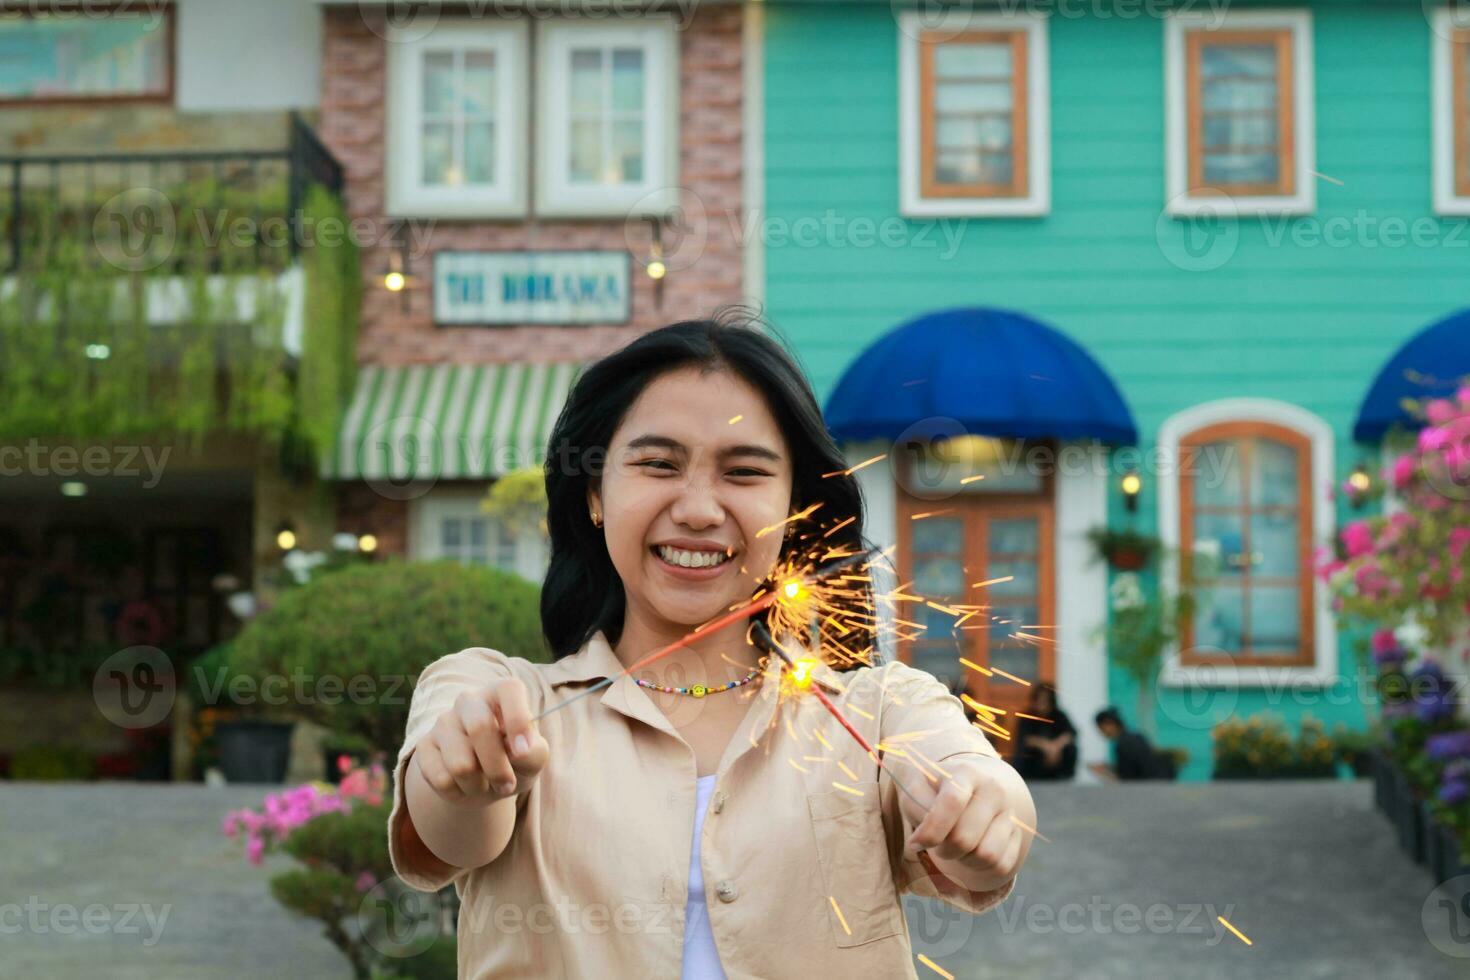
[(1016, 658), (627, 162), (450, 533), (479, 82), (479, 152), (1007, 620), (1215, 469), (1227, 131), (1014, 536), (939, 578), (1219, 619), (991, 60), (437, 148), (973, 97), (991, 133), (1242, 168), (1274, 474), (438, 82), (1020, 578), (1237, 64), (1274, 542), (478, 535), (586, 152), (1275, 619), (939, 659), (1219, 540), (939, 535), (972, 168), (117, 54), (586, 81), (627, 80)]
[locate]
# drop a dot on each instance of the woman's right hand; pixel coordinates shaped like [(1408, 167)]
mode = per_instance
[(485, 748)]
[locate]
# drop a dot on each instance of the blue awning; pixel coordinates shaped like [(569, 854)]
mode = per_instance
[(996, 372), (1429, 365)]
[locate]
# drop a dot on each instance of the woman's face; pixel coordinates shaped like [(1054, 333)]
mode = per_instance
[(685, 486)]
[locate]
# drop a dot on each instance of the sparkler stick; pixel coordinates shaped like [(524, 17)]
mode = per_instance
[(764, 638), (743, 612)]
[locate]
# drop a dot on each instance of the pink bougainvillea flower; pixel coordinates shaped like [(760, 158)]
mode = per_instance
[(1439, 411), (1357, 538), (1463, 396), (255, 850), (1402, 472), (1432, 438), (365, 882), (1384, 641)]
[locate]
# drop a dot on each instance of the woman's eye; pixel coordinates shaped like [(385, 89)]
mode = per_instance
[(747, 471), (657, 464)]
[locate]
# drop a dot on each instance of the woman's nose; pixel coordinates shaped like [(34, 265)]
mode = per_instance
[(698, 506)]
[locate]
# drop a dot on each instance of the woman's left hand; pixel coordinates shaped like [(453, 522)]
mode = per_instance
[(968, 820)]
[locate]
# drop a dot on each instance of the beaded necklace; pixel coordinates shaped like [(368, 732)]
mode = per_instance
[(703, 690)]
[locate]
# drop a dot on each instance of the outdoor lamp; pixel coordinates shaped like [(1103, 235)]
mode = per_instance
[(286, 536), (1359, 483), (367, 543), (655, 266), (1131, 484), (396, 279)]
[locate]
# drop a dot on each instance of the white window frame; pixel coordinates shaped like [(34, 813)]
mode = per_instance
[(1446, 22), (407, 195), (657, 193), (1179, 200), (1324, 667), (427, 512), (912, 202)]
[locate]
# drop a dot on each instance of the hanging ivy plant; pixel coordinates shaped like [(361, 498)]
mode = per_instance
[(199, 370)]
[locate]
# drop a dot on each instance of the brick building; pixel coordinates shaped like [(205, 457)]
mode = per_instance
[(534, 175)]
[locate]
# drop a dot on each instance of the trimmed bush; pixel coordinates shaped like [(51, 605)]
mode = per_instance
[(346, 649)]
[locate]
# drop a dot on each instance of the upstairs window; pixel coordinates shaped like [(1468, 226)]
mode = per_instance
[(1451, 97), (72, 55)]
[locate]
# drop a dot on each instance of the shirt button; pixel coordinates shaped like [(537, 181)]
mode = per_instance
[(719, 802), (727, 891)]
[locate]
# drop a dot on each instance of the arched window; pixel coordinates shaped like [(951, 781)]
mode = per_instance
[(1239, 507), (1245, 544)]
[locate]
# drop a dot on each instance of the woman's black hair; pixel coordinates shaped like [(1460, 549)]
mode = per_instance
[(582, 592)]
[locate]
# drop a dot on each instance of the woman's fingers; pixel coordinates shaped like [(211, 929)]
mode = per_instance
[(945, 810), (512, 707), (483, 731)]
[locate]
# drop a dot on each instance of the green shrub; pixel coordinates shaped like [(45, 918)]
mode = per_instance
[(1261, 747), (51, 763), (347, 648)]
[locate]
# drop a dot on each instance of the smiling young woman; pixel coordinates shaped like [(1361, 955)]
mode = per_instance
[(659, 829)]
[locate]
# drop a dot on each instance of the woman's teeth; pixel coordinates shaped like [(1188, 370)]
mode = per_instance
[(693, 559)]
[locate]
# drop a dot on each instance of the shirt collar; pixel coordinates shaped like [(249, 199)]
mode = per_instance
[(596, 661)]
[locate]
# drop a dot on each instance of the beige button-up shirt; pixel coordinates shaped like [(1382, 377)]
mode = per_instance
[(802, 846)]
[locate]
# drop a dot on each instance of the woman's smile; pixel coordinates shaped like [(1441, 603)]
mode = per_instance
[(693, 561)]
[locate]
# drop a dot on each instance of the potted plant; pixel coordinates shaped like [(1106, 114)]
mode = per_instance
[(1125, 550), (1143, 622)]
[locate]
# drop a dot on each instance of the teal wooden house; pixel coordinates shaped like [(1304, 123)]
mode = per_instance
[(1058, 267)]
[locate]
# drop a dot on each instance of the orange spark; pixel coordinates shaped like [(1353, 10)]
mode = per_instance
[(837, 527), (797, 765), (840, 917), (1011, 677), (736, 419), (1240, 935), (1022, 714), (971, 479), (847, 789), (975, 667), (991, 581), (930, 513), (854, 469), (935, 967), (1029, 829)]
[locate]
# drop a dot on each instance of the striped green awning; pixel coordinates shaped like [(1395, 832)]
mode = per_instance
[(449, 421)]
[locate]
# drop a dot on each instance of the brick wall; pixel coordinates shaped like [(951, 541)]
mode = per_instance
[(352, 125)]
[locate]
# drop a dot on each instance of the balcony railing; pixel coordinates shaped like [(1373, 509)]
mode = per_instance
[(163, 212)]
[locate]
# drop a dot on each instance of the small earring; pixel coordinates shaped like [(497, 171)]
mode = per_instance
[(596, 519)]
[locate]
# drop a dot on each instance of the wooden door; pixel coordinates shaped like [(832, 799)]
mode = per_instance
[(984, 568)]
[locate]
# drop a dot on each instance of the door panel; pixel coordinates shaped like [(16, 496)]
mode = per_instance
[(993, 559)]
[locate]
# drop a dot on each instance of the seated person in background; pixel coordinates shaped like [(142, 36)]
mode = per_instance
[(1046, 742), (1135, 758)]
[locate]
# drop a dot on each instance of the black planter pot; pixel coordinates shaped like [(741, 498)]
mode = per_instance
[(1410, 823), (1381, 777), (1448, 863), (254, 751)]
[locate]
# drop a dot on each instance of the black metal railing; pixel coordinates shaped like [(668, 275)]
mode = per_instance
[(168, 211)]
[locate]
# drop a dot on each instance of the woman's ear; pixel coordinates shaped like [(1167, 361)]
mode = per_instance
[(594, 503)]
